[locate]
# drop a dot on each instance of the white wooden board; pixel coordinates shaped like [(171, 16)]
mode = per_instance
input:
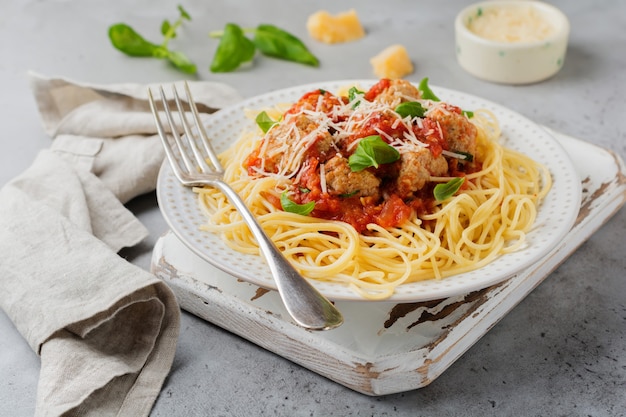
[(384, 347)]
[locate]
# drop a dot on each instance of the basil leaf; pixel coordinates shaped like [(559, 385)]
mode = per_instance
[(291, 207), (181, 62), (265, 122), (233, 50), (165, 28), (353, 93), (183, 13), (371, 152), (277, 43), (168, 30), (446, 190), (427, 93), (348, 195), (468, 113), (410, 109), (125, 39)]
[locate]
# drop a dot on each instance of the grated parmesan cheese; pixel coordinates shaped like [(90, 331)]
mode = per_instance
[(520, 24), (323, 178), (292, 143)]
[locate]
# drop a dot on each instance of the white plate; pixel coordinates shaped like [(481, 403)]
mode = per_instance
[(555, 217)]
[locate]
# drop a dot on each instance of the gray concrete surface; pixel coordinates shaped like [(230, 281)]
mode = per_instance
[(561, 352)]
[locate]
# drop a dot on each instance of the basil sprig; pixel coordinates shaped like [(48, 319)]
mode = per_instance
[(278, 43), (353, 93), (235, 48), (371, 152), (265, 122), (446, 190), (292, 207), (125, 39), (410, 109)]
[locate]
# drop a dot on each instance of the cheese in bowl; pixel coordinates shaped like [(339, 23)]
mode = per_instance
[(511, 41), (508, 24)]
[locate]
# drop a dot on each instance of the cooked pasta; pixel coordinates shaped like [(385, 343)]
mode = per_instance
[(349, 237)]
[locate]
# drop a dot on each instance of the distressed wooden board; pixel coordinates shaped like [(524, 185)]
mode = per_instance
[(385, 348)]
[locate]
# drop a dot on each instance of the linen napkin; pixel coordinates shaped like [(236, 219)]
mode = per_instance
[(106, 330)]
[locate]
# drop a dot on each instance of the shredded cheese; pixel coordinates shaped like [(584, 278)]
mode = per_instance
[(287, 148), (518, 24), (323, 178)]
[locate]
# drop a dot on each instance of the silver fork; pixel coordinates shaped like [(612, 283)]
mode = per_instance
[(305, 304)]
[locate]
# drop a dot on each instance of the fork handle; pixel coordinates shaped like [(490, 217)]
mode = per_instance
[(306, 305)]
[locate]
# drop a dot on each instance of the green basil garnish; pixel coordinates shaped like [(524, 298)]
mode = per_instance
[(181, 62), (371, 152), (426, 92), (275, 42), (410, 109), (446, 190), (353, 93), (125, 39), (292, 207), (265, 122), (348, 195), (235, 48)]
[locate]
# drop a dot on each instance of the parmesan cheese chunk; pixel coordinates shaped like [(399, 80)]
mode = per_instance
[(343, 27), (393, 62)]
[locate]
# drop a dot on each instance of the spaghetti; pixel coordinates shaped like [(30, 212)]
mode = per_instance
[(377, 230)]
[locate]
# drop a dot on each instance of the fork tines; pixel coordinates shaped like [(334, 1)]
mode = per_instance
[(187, 143)]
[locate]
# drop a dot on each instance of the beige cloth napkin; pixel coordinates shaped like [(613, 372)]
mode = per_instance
[(105, 329)]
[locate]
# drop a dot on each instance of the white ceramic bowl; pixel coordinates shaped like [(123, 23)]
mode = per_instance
[(511, 62)]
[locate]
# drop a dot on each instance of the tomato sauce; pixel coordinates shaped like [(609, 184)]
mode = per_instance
[(380, 122), (388, 209), (312, 101), (377, 89), (357, 211), (430, 134)]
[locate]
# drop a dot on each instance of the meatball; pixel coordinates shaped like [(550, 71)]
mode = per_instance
[(415, 171), (398, 92), (459, 132), (282, 144), (340, 180)]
